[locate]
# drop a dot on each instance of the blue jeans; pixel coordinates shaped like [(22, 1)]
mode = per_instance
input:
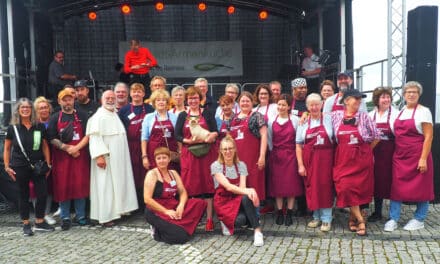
[(80, 208), (323, 214), (420, 213)]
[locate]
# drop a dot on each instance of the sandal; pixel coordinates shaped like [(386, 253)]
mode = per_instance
[(361, 231), (109, 224), (352, 224)]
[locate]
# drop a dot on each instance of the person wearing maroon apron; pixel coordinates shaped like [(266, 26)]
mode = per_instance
[(223, 120), (353, 169), (173, 218), (383, 114), (195, 172), (263, 94), (234, 204), (413, 171), (315, 162), (158, 130), (284, 181), (71, 160), (250, 133)]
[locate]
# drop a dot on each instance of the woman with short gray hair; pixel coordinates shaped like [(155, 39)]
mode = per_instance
[(413, 171)]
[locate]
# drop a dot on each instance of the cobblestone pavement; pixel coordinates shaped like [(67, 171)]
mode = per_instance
[(130, 242)]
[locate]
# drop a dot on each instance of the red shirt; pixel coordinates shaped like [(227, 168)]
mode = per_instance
[(143, 55)]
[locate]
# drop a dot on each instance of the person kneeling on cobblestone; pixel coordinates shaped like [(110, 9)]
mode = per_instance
[(172, 215), (234, 204)]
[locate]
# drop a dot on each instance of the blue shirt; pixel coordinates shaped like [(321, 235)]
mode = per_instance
[(148, 123)]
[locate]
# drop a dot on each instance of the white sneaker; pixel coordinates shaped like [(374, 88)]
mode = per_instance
[(57, 213), (314, 223), (414, 224), (258, 239), (50, 220), (325, 227), (390, 226), (225, 229)]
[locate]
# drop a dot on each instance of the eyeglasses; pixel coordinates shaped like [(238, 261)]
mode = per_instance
[(193, 98), (25, 107), (228, 149), (263, 93)]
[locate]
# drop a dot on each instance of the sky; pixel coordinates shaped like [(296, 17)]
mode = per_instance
[(370, 37)]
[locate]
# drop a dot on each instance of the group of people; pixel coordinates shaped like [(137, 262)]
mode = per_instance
[(293, 150)]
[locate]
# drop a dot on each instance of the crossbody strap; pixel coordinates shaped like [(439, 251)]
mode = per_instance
[(21, 146)]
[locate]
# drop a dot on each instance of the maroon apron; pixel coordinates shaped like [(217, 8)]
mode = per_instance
[(248, 149), (383, 160), (353, 169), (227, 204), (408, 183), (194, 208), (294, 111), (134, 144), (196, 171), (284, 180), (335, 106), (318, 153), (162, 135), (71, 176)]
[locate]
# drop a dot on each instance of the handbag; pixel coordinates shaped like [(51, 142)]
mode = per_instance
[(40, 167), (199, 150)]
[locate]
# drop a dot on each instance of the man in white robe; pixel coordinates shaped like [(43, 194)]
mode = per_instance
[(112, 190)]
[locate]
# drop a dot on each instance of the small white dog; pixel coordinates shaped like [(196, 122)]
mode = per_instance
[(197, 131)]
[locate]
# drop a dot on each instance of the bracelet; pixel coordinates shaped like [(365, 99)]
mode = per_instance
[(144, 156)]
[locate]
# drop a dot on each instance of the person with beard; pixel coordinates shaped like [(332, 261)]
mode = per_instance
[(112, 189), (83, 102), (70, 159), (344, 82), (121, 92)]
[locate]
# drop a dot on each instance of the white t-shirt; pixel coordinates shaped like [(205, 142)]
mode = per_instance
[(272, 112), (310, 64), (422, 115)]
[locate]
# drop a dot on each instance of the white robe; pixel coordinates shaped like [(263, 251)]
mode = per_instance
[(112, 190)]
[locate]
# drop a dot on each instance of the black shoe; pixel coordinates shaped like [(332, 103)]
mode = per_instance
[(280, 217), (27, 230), (374, 217), (43, 226), (289, 221), (66, 224)]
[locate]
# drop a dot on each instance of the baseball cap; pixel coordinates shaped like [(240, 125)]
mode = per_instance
[(346, 73), (63, 93), (80, 83), (354, 93)]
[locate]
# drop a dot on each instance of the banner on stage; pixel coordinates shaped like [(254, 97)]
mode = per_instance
[(193, 59)]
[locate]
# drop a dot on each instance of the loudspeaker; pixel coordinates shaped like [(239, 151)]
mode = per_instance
[(421, 58)]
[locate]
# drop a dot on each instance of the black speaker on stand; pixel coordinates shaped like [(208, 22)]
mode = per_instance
[(421, 66)]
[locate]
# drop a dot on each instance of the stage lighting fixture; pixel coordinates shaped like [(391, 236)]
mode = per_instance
[(126, 9), (231, 9), (159, 6), (263, 14), (92, 15), (202, 6)]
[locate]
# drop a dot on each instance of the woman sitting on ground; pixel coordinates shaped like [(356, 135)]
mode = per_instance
[(233, 202), (173, 216)]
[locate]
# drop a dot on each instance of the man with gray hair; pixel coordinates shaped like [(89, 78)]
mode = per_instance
[(206, 101), (232, 91), (121, 92), (112, 190)]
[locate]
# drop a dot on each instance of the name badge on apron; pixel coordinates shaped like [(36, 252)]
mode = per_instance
[(167, 133), (319, 140), (295, 112), (75, 136), (240, 135), (172, 183), (131, 116), (353, 140)]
